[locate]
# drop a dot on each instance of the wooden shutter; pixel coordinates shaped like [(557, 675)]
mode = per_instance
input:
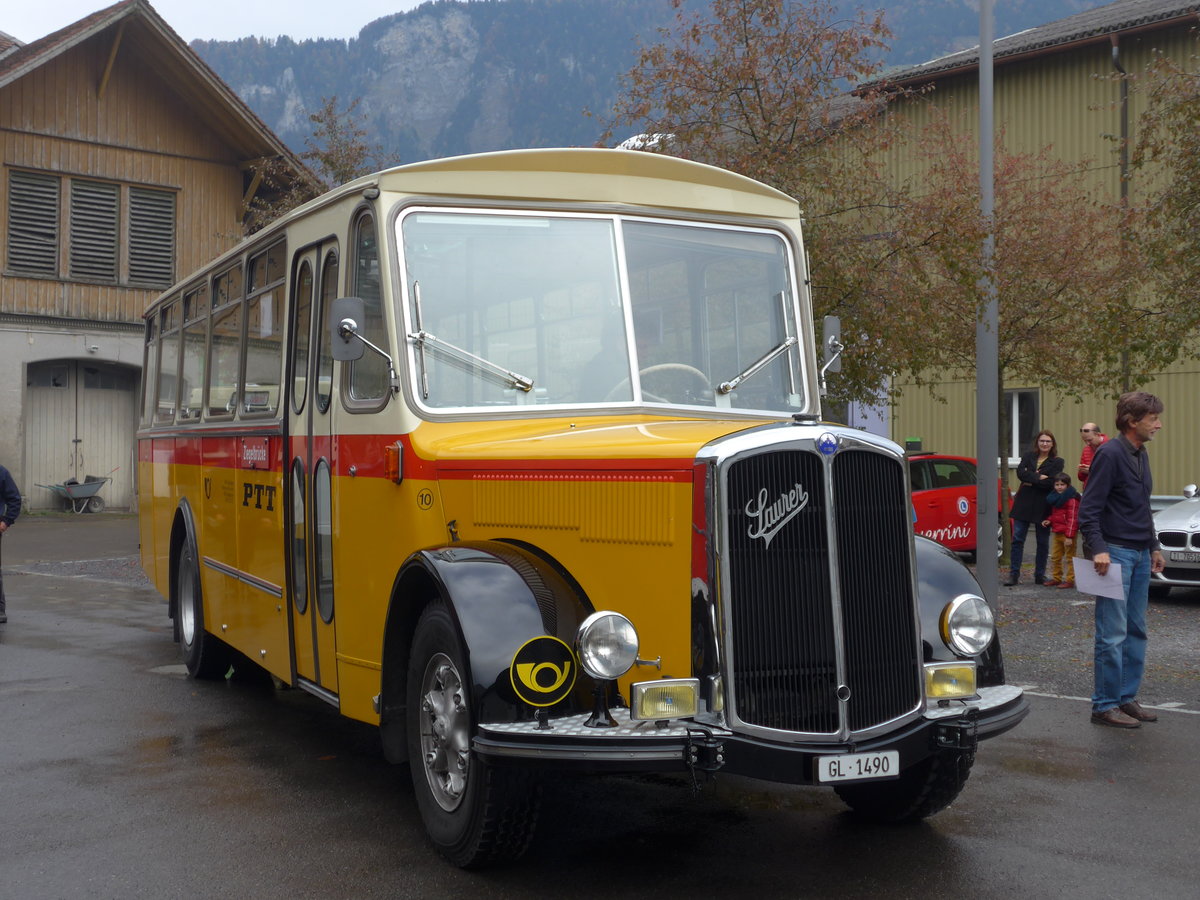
[(93, 251), (33, 224), (151, 237)]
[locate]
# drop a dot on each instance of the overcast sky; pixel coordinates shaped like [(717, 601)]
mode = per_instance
[(28, 20)]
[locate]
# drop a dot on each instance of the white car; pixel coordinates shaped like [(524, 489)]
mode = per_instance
[(1178, 529)]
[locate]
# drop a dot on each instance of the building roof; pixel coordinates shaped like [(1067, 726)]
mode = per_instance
[(144, 32), (1092, 27)]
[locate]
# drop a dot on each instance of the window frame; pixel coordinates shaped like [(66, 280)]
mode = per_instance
[(1019, 444)]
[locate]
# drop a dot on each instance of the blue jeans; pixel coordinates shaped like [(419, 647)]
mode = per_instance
[(1121, 632), (1042, 535)]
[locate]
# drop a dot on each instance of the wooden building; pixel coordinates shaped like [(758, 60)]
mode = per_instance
[(1054, 88), (126, 163)]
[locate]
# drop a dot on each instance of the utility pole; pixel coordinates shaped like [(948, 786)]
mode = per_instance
[(987, 375)]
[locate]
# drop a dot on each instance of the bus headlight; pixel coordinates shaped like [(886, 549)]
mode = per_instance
[(967, 625), (607, 644)]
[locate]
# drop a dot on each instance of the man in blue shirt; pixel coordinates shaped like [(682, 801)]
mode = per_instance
[(10, 508), (1118, 526)]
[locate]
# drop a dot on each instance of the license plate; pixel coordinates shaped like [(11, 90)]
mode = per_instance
[(1185, 556), (859, 766)]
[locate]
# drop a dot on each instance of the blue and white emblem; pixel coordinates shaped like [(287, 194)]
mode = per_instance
[(827, 444), (963, 506)]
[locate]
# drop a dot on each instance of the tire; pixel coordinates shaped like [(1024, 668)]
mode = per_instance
[(95, 504), (205, 656), (925, 789), (475, 814)]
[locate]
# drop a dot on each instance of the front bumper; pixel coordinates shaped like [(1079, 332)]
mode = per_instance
[(639, 746)]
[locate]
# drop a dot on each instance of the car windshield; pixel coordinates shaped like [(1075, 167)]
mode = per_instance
[(509, 309)]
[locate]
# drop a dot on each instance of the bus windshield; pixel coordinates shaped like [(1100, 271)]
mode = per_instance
[(512, 309)]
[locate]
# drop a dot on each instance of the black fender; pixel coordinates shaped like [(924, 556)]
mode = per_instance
[(942, 576), (500, 596)]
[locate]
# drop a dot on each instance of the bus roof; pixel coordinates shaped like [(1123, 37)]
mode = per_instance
[(590, 175)]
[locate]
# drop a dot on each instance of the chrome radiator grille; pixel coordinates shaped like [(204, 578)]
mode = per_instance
[(784, 630)]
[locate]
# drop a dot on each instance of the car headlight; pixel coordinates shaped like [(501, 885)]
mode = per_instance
[(967, 625), (608, 645)]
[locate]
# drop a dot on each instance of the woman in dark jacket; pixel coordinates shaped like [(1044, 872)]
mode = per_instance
[(1036, 474)]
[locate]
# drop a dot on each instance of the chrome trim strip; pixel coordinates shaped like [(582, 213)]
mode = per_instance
[(317, 691), (244, 577)]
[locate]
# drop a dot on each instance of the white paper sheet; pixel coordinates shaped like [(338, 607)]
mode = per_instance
[(1088, 582)]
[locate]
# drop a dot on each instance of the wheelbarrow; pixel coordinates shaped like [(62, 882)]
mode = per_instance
[(83, 496)]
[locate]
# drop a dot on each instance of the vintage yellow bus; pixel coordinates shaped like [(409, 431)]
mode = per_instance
[(519, 456)]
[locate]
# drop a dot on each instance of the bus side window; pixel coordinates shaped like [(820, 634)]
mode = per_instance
[(369, 375), (224, 350), (329, 286)]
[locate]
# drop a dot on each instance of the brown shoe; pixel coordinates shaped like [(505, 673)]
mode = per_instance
[(1066, 584), (1137, 711), (1114, 718)]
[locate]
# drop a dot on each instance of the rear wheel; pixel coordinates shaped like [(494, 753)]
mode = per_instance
[(474, 813), (204, 655), (926, 788)]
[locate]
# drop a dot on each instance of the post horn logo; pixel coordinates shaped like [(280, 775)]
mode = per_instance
[(543, 671)]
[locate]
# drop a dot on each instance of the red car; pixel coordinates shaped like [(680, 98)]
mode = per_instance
[(943, 496)]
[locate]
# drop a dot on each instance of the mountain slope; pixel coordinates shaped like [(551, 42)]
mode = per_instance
[(454, 77)]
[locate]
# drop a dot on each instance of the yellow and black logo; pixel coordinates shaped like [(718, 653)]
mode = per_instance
[(543, 671)]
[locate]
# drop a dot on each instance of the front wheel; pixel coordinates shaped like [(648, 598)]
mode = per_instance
[(920, 791), (474, 813)]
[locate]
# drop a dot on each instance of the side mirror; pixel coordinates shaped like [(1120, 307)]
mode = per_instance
[(831, 345), (831, 350), (345, 318)]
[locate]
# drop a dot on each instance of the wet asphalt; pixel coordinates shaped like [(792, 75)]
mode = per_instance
[(120, 777)]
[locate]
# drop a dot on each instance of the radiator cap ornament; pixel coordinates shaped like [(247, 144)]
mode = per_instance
[(827, 444)]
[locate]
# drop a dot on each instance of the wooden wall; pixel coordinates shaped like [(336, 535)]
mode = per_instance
[(139, 132)]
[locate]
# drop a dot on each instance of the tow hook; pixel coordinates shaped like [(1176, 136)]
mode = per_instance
[(960, 734), (702, 753)]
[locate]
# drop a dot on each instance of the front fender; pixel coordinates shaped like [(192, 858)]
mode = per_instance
[(500, 596), (942, 576)]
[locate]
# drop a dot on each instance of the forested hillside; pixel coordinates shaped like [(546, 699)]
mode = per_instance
[(463, 76)]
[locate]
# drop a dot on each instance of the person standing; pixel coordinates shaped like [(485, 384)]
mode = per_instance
[(1092, 437), (10, 502), (1036, 473), (1118, 526), (1063, 519)]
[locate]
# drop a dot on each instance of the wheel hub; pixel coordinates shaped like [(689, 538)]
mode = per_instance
[(445, 731)]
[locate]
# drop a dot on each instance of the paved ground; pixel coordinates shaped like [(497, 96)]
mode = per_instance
[(120, 777)]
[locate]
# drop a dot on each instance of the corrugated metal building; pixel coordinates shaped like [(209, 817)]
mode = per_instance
[(1054, 87)]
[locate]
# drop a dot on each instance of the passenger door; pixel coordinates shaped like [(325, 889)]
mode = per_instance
[(309, 533)]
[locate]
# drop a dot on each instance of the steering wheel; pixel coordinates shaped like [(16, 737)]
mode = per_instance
[(667, 369)]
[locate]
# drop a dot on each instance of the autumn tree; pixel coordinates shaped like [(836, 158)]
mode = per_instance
[(1061, 266), (761, 87), (1166, 160), (337, 152)]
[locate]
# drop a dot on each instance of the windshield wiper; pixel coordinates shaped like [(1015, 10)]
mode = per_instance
[(521, 382), (421, 337), (726, 387)]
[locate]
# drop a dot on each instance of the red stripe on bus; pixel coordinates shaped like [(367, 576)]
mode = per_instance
[(365, 455)]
